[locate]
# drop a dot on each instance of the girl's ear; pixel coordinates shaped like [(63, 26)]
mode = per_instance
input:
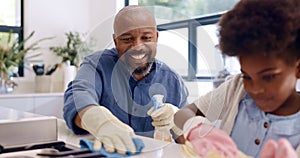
[(298, 69)]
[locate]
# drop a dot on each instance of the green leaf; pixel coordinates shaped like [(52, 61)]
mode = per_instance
[(72, 48), (13, 55)]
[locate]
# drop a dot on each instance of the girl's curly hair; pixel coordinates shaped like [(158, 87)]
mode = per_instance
[(268, 27)]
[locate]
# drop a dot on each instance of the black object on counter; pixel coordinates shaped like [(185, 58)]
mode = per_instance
[(52, 69), (61, 150), (38, 69)]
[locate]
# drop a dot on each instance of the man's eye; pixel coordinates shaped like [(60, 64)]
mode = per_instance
[(269, 77), (126, 39), (147, 37)]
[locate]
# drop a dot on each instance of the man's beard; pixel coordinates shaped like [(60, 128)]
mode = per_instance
[(144, 68)]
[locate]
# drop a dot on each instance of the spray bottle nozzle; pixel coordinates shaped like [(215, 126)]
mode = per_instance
[(157, 101)]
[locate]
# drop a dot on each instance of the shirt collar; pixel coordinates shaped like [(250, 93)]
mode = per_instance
[(286, 125), (252, 110)]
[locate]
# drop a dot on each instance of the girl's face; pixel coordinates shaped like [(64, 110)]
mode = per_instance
[(271, 83)]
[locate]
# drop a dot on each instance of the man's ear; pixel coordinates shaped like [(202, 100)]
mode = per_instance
[(114, 38)]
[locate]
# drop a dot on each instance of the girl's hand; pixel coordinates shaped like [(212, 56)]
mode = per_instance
[(280, 149)]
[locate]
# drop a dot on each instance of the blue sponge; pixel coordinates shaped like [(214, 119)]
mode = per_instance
[(88, 144)]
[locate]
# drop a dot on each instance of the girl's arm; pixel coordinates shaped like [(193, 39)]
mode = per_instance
[(188, 111)]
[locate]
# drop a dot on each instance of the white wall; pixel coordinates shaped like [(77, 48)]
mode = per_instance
[(53, 18)]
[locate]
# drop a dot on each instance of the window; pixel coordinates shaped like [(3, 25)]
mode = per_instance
[(11, 20), (188, 31), (175, 10)]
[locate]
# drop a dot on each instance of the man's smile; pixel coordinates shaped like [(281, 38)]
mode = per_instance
[(138, 56)]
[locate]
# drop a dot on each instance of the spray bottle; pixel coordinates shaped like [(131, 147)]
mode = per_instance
[(160, 134)]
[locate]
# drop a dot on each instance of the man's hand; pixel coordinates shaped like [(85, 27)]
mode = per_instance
[(110, 132), (164, 118)]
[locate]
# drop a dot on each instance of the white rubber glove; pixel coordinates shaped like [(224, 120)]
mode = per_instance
[(163, 118), (109, 131)]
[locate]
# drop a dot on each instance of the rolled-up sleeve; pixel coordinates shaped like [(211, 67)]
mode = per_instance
[(82, 92)]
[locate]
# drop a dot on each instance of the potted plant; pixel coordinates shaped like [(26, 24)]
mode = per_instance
[(69, 53), (12, 54), (75, 45)]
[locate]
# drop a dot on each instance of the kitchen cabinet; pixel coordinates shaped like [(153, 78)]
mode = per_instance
[(49, 104)]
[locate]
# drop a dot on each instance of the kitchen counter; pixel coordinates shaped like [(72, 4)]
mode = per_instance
[(153, 148), (38, 128), (48, 104), (28, 95), (19, 128)]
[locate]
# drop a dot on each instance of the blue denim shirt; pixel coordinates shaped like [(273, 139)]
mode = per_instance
[(104, 80), (253, 124)]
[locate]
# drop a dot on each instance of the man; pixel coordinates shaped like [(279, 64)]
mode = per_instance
[(112, 92)]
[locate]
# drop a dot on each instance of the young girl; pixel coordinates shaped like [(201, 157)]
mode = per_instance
[(261, 103)]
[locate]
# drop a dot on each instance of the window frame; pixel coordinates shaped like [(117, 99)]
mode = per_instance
[(191, 25), (18, 30)]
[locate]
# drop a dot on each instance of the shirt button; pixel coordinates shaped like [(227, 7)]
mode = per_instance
[(257, 141), (266, 124)]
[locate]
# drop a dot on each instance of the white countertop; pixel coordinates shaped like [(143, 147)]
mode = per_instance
[(48, 128), (31, 95), (153, 148)]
